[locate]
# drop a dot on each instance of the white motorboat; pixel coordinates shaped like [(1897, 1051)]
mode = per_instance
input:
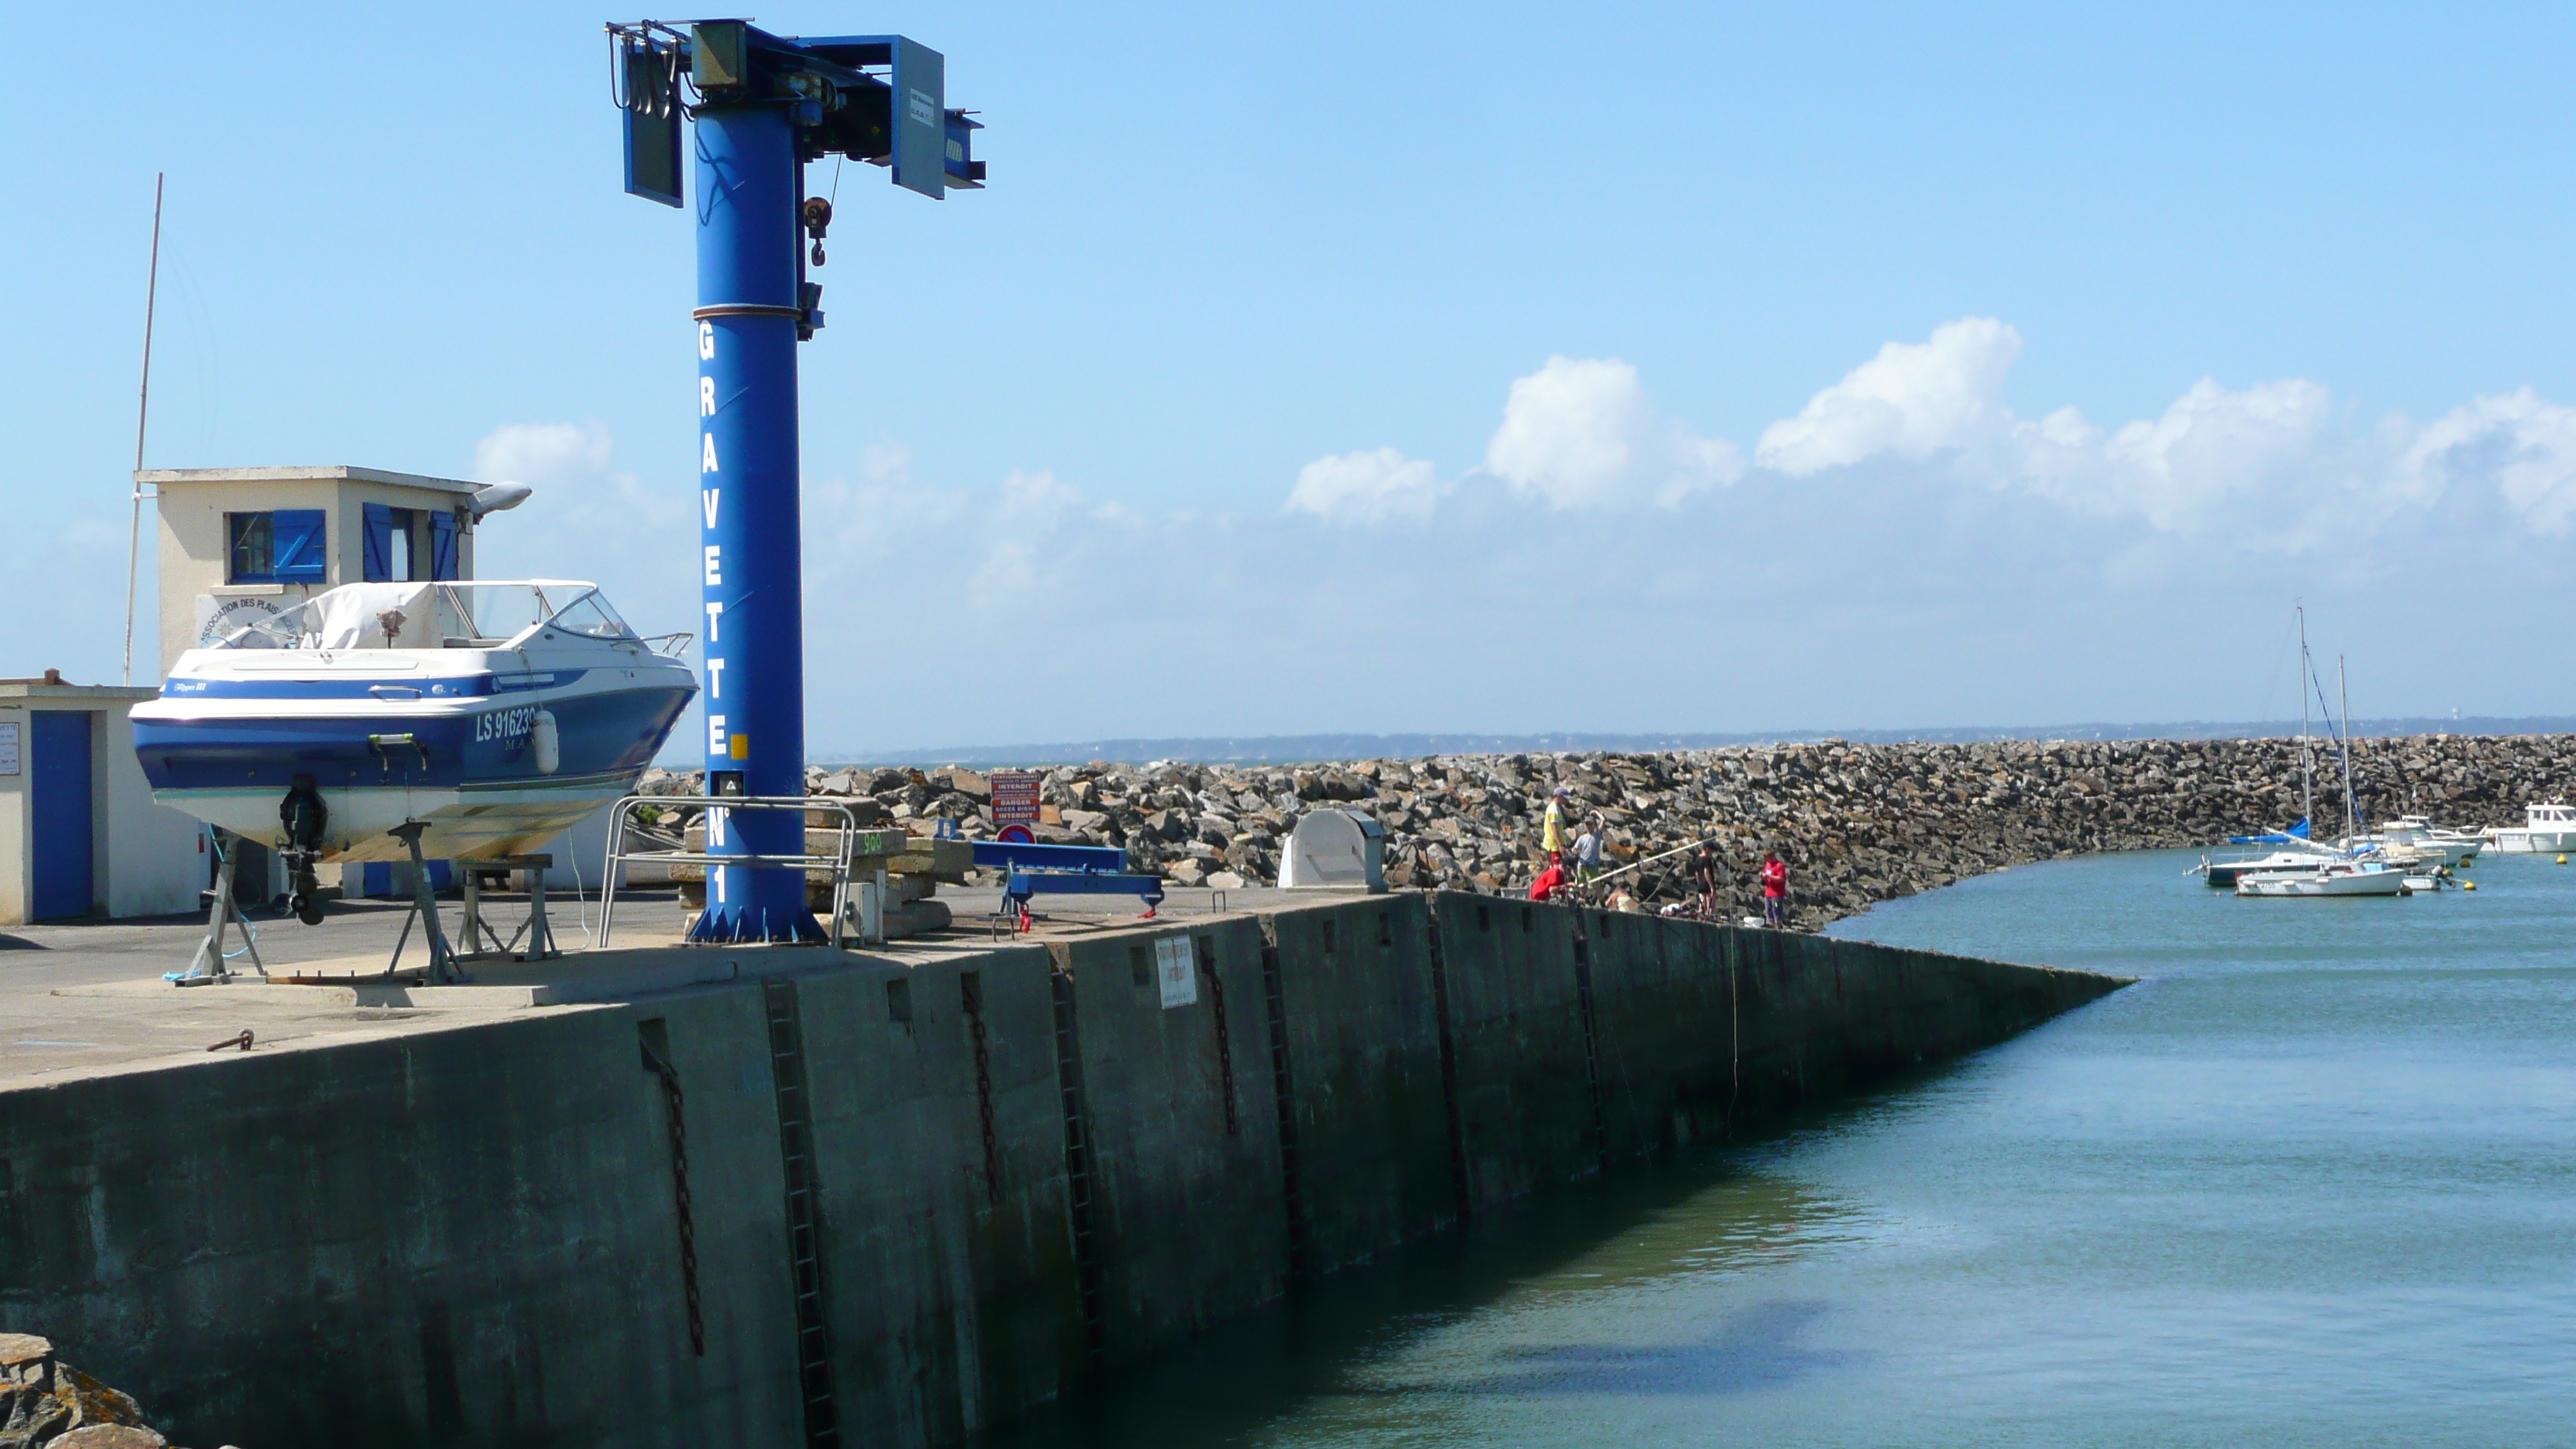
[(2343, 878), (2548, 829), (496, 715), (2414, 840), (2458, 847), (2304, 856)]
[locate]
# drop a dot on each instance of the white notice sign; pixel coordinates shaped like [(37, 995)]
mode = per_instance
[(1174, 964), (8, 747)]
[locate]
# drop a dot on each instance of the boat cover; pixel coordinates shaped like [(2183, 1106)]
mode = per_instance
[(375, 616)]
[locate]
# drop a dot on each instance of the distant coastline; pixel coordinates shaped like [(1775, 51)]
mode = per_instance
[(1319, 748)]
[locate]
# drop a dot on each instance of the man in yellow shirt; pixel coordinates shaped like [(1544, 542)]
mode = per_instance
[(1552, 833)]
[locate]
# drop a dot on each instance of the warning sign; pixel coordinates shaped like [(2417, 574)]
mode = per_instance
[(1015, 797), (1173, 964)]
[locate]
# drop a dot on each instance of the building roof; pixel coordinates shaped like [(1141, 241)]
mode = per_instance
[(338, 472), (54, 689)]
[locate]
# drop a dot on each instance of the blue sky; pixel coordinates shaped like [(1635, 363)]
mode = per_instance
[(1408, 367)]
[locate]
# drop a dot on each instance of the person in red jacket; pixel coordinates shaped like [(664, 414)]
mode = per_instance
[(1775, 890), (1549, 882)]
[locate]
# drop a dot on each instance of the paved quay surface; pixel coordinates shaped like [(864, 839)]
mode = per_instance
[(87, 998)]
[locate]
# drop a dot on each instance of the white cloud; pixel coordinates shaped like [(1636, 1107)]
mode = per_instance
[(1906, 526), (1581, 433), (2272, 468), (586, 519), (2523, 444), (1375, 487), (543, 453), (1914, 399), (2270, 463)]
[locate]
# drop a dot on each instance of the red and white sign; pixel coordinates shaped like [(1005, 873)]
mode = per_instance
[(1015, 796)]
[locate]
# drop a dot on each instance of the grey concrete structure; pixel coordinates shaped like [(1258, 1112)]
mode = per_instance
[(887, 1198)]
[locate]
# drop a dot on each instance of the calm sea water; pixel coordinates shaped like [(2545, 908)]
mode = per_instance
[(2311, 1181)]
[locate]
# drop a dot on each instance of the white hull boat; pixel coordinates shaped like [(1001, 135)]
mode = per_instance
[(2221, 874), (495, 715), (2548, 829), (2357, 879), (2412, 838)]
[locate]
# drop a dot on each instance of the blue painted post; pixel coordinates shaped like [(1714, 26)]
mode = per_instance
[(754, 629)]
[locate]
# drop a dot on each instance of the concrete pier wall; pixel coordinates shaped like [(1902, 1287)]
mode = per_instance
[(920, 1193)]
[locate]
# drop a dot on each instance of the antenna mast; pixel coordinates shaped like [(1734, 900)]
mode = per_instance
[(142, 416)]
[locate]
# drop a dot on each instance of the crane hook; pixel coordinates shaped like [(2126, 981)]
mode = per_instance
[(818, 217)]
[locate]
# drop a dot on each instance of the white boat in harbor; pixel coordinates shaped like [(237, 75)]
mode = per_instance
[(2361, 863), (2302, 856), (2548, 829), (2414, 840), (2293, 850), (2341, 878)]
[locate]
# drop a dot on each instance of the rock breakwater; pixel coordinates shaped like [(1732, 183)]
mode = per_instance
[(1857, 823)]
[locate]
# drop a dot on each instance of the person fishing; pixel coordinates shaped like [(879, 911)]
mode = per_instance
[(1775, 890), (1549, 882), (1587, 851), (1703, 876), (1551, 835)]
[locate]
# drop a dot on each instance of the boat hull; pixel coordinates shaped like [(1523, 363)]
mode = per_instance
[(472, 822), (2225, 874), (470, 768), (2313, 884)]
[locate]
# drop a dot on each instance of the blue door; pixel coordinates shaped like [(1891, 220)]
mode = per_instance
[(59, 775)]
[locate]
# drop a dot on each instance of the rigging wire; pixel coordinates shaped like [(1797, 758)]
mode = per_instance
[(142, 417)]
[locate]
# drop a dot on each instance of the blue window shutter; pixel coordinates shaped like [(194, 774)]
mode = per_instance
[(380, 542), (442, 545), (297, 545)]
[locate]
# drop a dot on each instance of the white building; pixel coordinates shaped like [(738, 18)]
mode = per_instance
[(79, 834)]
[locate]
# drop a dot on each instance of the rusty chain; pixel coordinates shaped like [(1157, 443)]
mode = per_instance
[(674, 1109)]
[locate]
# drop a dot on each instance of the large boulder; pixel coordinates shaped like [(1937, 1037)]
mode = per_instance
[(46, 1402)]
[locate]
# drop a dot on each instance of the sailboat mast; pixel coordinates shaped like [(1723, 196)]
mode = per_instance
[(2351, 816), (2307, 772)]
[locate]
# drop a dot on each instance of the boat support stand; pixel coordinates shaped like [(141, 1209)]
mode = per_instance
[(482, 940), (223, 914), (443, 969)]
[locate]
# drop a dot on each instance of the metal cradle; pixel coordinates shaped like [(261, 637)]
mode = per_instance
[(866, 902)]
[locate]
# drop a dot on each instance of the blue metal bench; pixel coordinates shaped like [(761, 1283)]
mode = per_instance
[(1086, 870)]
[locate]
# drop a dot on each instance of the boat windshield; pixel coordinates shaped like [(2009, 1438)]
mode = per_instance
[(433, 616)]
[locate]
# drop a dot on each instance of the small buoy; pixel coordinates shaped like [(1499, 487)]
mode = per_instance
[(2562, 860), (2468, 885)]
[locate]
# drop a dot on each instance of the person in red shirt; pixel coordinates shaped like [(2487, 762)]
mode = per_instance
[(1775, 890), (1549, 882)]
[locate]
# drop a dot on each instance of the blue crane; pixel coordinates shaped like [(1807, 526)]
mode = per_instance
[(763, 106)]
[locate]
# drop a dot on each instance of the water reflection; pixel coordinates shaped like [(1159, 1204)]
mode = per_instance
[(1601, 1290), (1761, 1347)]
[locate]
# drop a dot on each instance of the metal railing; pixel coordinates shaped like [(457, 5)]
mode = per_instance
[(871, 922)]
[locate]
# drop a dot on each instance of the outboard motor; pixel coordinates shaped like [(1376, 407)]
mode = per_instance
[(305, 818)]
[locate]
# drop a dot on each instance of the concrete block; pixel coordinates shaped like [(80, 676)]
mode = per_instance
[(917, 1247), (1187, 1211), (1363, 1048), (434, 1268), (1524, 1103)]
